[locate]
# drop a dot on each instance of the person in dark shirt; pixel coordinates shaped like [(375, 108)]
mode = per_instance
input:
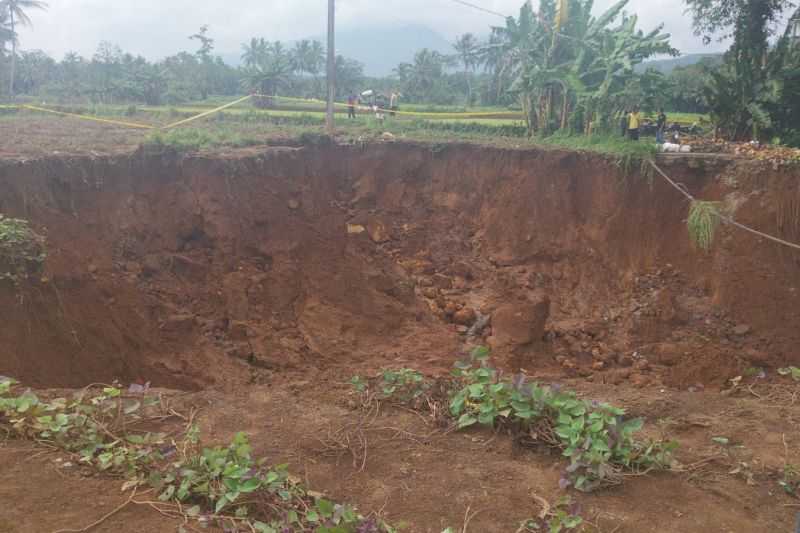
[(661, 126), (352, 100), (623, 123)]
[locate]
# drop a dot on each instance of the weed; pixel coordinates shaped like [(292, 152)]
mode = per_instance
[(792, 371), (790, 483), (596, 437), (22, 250), (190, 139), (221, 485), (404, 384), (565, 516), (312, 138), (703, 222), (628, 151)]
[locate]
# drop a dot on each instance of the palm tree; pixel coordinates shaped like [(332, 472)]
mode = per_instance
[(16, 10), (467, 47), (6, 35), (255, 51)]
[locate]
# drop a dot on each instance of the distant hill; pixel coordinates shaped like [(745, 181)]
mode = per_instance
[(381, 49), (668, 65)]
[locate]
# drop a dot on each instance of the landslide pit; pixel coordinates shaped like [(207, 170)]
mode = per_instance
[(219, 270)]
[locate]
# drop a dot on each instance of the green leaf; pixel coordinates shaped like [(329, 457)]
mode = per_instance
[(261, 527), (221, 503), (476, 391), (722, 441), (250, 485), (481, 353), (167, 494), (312, 516), (466, 420), (486, 419), (132, 408), (112, 392), (193, 511), (325, 508)]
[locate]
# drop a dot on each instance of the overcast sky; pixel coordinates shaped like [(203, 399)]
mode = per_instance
[(156, 28)]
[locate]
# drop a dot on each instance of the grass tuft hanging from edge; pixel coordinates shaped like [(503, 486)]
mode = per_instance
[(702, 223)]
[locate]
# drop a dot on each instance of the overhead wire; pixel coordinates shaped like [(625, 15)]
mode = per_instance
[(479, 8)]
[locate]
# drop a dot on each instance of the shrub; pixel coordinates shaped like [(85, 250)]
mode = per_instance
[(22, 250)]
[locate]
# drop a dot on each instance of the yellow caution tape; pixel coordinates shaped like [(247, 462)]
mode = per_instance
[(245, 98), (86, 117), (205, 114), (510, 114)]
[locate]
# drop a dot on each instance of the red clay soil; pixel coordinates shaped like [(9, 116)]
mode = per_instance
[(271, 276)]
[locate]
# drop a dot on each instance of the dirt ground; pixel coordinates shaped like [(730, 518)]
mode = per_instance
[(260, 281)]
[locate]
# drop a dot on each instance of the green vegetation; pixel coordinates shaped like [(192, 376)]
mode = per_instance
[(596, 437), (755, 93), (222, 486), (703, 222), (792, 371), (562, 518), (192, 139), (22, 250)]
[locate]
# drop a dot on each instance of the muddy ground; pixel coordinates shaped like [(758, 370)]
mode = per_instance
[(260, 281)]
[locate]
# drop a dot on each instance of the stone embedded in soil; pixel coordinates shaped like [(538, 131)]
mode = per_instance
[(378, 231), (520, 323), (465, 317), (238, 331), (293, 204), (430, 292), (179, 324), (450, 308), (741, 330), (441, 281), (756, 357)]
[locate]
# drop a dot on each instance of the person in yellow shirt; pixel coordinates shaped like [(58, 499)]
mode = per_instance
[(634, 120)]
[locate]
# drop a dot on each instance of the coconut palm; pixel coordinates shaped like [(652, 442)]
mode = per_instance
[(467, 48), (17, 15), (254, 51), (6, 35)]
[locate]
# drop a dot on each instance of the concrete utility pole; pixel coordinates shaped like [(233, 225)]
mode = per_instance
[(331, 65)]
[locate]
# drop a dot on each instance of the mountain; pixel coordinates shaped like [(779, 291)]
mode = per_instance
[(668, 65), (382, 48)]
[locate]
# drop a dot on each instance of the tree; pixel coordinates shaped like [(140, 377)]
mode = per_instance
[(467, 47), (349, 75), (254, 51), (420, 78), (270, 72), (17, 15), (206, 43), (568, 68), (738, 89)]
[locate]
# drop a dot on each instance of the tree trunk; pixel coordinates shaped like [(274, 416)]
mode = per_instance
[(13, 57), (469, 88)]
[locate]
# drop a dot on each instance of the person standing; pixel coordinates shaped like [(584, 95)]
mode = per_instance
[(352, 100), (661, 126), (623, 123), (634, 122), (393, 99)]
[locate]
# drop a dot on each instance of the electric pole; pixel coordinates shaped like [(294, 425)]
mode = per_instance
[(331, 65)]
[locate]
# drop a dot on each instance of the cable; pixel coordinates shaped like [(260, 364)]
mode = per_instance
[(479, 8), (722, 217)]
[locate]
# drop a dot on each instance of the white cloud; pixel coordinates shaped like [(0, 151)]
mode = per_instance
[(156, 28)]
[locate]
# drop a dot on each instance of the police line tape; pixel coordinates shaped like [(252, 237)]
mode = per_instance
[(245, 98)]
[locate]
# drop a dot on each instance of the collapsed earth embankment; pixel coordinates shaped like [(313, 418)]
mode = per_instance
[(201, 270)]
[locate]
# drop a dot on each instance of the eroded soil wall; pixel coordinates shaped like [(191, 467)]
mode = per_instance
[(197, 271)]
